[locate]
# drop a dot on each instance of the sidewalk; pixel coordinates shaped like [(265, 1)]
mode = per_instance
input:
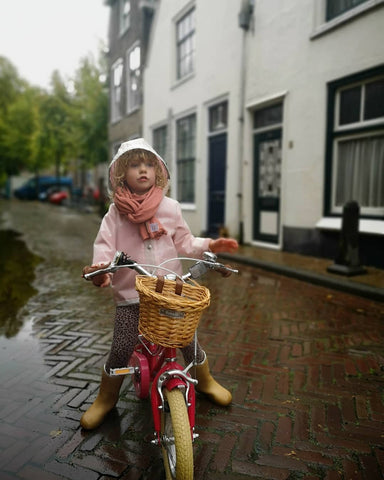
[(304, 363), (311, 269)]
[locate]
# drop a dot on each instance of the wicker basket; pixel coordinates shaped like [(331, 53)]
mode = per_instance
[(168, 318)]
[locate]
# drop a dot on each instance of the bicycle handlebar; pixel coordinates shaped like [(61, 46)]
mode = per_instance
[(197, 270)]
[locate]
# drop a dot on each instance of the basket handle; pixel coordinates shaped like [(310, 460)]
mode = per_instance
[(160, 285)]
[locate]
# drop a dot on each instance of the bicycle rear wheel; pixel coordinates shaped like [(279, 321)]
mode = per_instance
[(176, 439)]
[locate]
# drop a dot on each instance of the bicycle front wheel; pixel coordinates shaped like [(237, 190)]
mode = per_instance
[(176, 440)]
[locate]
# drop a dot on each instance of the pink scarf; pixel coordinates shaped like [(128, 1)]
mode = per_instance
[(141, 209)]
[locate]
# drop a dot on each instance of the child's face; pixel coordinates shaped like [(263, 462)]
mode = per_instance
[(140, 175)]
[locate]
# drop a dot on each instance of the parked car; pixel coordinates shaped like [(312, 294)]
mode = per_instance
[(37, 187), (59, 197)]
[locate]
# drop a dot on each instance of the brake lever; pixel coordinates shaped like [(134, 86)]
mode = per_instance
[(120, 259)]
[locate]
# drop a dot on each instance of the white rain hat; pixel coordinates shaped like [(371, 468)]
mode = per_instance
[(137, 143)]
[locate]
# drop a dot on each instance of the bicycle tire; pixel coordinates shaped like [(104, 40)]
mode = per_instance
[(176, 439)]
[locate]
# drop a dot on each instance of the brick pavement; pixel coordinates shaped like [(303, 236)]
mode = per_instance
[(304, 363)]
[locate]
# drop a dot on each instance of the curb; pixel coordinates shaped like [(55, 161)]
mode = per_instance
[(354, 288)]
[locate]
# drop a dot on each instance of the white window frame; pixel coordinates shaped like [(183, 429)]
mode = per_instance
[(116, 89), (189, 36), (364, 210), (361, 123), (322, 26), (191, 204), (133, 101), (353, 131), (125, 9)]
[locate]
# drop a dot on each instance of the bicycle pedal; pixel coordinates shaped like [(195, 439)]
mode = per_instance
[(122, 371)]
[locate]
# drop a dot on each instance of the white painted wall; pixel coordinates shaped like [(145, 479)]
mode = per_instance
[(285, 55), (290, 53), (218, 41)]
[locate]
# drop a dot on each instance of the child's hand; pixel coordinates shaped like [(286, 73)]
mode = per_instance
[(229, 245), (102, 280)]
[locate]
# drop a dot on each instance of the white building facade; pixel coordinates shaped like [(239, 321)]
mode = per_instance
[(271, 120)]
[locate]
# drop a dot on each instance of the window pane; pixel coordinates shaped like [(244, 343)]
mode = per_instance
[(337, 7), (185, 181), (374, 100), (185, 35), (125, 15), (360, 172), (117, 74), (186, 138), (218, 117), (116, 84), (268, 116), (134, 58), (350, 101), (160, 141), (133, 79)]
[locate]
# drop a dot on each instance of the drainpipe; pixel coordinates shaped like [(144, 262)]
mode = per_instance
[(245, 18)]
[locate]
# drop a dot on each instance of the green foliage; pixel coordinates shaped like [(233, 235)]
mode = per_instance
[(40, 129), (91, 113), (10, 84), (22, 119)]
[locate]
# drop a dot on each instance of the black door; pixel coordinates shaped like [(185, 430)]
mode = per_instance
[(216, 183)]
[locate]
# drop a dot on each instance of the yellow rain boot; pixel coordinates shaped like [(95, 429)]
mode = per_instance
[(208, 385), (105, 401)]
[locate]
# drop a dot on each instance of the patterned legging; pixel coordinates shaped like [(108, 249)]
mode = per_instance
[(125, 338)]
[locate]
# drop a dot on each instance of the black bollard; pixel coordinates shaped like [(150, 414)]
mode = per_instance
[(347, 259)]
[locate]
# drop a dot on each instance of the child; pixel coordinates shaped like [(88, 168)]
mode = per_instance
[(149, 227)]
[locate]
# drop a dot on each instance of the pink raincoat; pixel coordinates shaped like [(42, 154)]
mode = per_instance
[(118, 233)]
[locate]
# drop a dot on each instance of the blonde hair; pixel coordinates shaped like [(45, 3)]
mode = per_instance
[(137, 155)]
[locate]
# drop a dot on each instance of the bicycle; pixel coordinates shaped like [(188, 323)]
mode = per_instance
[(168, 304)]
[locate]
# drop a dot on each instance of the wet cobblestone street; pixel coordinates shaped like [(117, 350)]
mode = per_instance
[(305, 365)]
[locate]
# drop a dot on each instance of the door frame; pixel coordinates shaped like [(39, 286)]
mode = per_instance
[(265, 204)]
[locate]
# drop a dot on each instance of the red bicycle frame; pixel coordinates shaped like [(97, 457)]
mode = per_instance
[(158, 364)]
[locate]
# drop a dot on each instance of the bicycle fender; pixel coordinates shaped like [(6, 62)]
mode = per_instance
[(170, 384)]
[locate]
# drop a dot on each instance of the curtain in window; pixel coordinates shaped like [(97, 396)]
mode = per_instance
[(360, 172)]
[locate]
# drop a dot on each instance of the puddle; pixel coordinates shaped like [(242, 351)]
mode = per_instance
[(17, 267)]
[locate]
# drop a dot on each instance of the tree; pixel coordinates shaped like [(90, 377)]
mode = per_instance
[(11, 85), (17, 131), (91, 113), (40, 128), (54, 136), (11, 89)]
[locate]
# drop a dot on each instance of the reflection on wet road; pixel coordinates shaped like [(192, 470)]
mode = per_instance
[(17, 266)]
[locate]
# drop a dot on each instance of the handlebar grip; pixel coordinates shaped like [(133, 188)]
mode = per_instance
[(224, 271), (87, 270)]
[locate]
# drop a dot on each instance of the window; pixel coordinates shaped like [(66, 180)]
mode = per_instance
[(338, 7), (268, 116), (133, 79), (160, 141), (218, 117), (124, 15), (332, 14), (185, 38), (185, 158), (116, 86), (356, 144)]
